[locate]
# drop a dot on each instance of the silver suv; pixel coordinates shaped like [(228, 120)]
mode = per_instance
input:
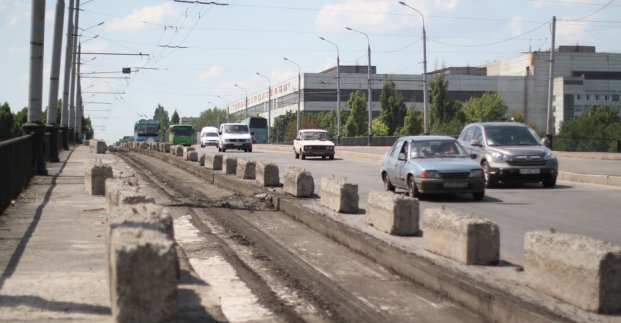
[(510, 152)]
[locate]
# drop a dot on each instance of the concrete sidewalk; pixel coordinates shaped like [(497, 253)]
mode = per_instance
[(53, 251)]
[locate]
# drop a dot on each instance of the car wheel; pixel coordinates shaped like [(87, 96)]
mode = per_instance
[(223, 149), (549, 182), (488, 181), (412, 189), (302, 155), (323, 157), (387, 184), (331, 157), (219, 149), (478, 196), (250, 149), (296, 154)]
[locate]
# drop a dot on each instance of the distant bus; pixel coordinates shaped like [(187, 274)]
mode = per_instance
[(258, 128), (146, 130), (181, 134)]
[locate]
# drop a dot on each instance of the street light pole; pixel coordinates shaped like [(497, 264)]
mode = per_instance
[(299, 94), (368, 80), (425, 104), (246, 109), (338, 93), (227, 107), (269, 106)]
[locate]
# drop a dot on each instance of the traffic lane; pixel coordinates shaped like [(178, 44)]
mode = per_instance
[(585, 209), (590, 166)]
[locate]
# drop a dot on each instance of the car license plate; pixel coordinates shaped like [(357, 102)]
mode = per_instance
[(455, 184), (526, 171)]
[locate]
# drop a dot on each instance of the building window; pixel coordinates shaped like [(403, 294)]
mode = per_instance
[(588, 97), (578, 97), (606, 97), (597, 97), (615, 97)]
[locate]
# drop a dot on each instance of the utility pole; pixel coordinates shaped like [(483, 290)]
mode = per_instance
[(72, 107), (33, 125), (52, 123), (67, 77), (549, 125), (78, 99)]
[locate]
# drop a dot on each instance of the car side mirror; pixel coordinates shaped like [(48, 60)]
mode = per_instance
[(476, 143), (473, 156), (402, 156), (545, 141), (297, 138)]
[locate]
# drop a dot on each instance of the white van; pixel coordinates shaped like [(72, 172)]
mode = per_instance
[(209, 137), (234, 136)]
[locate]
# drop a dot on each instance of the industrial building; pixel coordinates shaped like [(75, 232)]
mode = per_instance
[(582, 78)]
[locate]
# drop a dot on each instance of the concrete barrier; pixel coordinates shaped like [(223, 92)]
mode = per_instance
[(579, 270), (213, 161), (246, 169), (95, 176), (166, 147), (201, 160), (338, 195), (186, 152), (230, 165), (267, 173), (125, 191), (393, 213), (192, 156), (298, 182), (179, 150), (468, 239), (101, 147)]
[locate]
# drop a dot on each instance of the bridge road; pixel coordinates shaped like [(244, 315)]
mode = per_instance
[(585, 209)]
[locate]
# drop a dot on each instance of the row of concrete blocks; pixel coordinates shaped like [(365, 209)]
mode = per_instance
[(141, 260), (581, 271)]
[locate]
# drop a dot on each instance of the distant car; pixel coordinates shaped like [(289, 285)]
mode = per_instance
[(234, 136), (313, 142), (209, 137), (431, 164), (510, 152)]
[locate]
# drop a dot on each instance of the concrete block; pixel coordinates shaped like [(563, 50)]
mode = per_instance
[(143, 215), (166, 147), (192, 156), (468, 239), (125, 191), (267, 173), (101, 147), (143, 277), (144, 145), (245, 169), (92, 146), (230, 165), (338, 195), (214, 161), (298, 182), (186, 152), (95, 176), (582, 271), (201, 160), (393, 213), (179, 150)]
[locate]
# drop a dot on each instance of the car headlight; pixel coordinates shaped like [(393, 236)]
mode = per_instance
[(476, 173), (500, 156), (330, 147), (430, 174), (548, 155)]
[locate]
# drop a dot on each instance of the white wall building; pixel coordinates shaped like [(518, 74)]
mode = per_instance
[(582, 78)]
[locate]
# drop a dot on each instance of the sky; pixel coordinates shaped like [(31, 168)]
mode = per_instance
[(194, 55)]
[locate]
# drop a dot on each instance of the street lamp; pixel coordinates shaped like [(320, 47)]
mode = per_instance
[(368, 79), (425, 104), (246, 98), (299, 94), (269, 106), (227, 107), (338, 93)]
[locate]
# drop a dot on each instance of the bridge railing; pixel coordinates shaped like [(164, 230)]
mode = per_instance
[(16, 164)]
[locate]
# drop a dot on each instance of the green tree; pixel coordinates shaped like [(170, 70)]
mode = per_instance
[(393, 107), (591, 131), (412, 123), (357, 123), (87, 128), (279, 130), (453, 125), (489, 107), (327, 121), (379, 128), (175, 118), (161, 115), (438, 106), (59, 108), (20, 118), (7, 122)]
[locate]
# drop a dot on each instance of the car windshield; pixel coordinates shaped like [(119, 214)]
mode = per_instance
[(210, 134), (510, 136), (436, 149), (315, 135), (236, 128)]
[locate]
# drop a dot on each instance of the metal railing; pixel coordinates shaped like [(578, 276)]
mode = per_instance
[(586, 144), (16, 164)]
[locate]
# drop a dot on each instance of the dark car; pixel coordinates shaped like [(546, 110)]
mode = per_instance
[(510, 152), (431, 164)]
